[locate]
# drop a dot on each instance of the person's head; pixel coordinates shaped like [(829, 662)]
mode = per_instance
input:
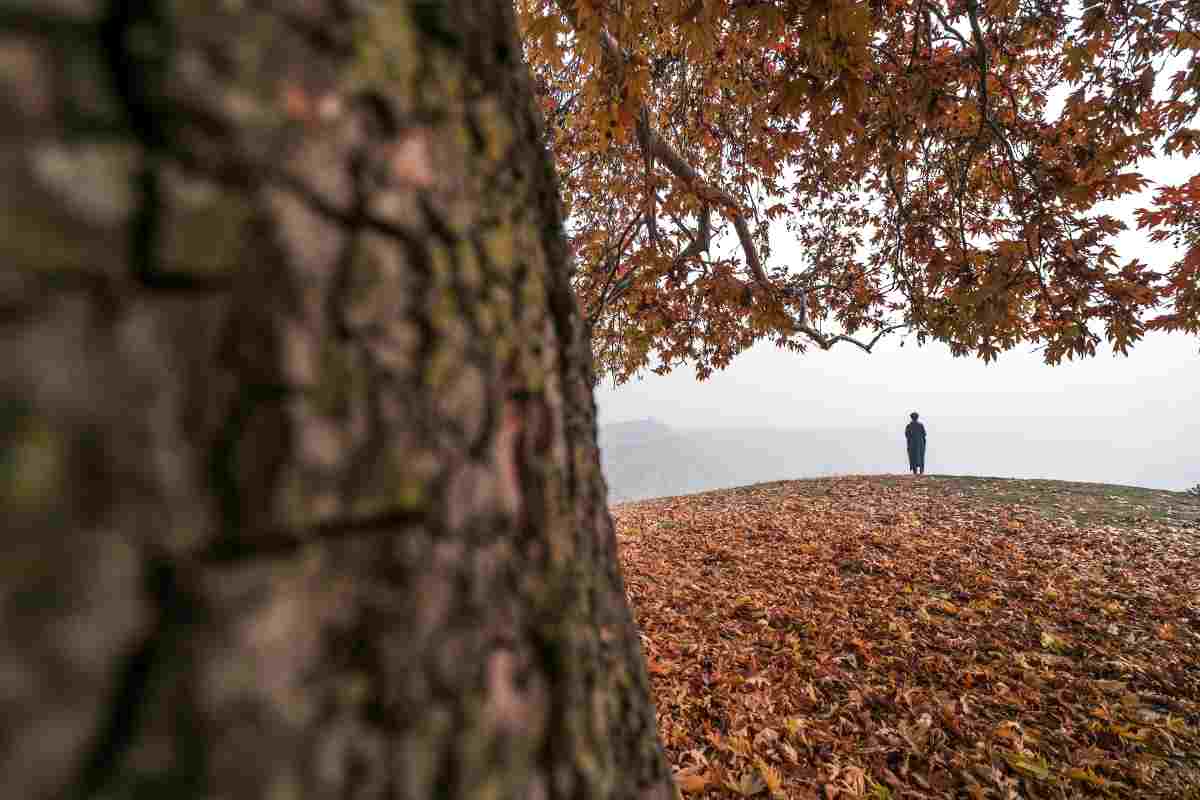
[(914, 416)]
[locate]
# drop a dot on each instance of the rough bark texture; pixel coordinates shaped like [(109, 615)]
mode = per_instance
[(297, 444)]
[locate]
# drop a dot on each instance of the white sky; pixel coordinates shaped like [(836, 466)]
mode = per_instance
[(1155, 391)]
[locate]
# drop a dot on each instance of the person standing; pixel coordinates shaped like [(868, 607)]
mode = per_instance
[(914, 434)]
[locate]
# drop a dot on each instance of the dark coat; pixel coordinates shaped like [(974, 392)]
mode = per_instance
[(914, 434)]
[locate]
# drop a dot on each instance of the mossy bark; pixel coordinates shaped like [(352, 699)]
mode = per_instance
[(297, 442)]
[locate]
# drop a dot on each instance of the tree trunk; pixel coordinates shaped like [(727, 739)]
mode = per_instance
[(301, 495)]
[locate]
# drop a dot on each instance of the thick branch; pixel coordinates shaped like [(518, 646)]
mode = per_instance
[(699, 242), (681, 169), (658, 149), (825, 342)]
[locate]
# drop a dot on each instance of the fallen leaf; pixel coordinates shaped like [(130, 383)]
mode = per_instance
[(693, 780)]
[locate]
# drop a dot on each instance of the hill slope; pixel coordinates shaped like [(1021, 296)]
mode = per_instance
[(901, 637)]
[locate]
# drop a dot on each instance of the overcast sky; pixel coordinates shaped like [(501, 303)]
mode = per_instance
[(1154, 390), (1150, 399)]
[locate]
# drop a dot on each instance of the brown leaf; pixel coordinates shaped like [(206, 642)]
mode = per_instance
[(693, 780)]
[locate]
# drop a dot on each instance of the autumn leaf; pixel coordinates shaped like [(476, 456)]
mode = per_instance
[(693, 780), (1052, 642), (1026, 764), (1087, 776), (747, 785), (771, 778)]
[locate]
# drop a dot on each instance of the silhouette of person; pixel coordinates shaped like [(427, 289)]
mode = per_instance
[(914, 435)]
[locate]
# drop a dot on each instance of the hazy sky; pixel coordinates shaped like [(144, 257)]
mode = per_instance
[(1156, 390), (1151, 397)]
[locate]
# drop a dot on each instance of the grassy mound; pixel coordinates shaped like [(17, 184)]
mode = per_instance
[(895, 637)]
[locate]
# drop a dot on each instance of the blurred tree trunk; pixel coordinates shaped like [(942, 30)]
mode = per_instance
[(300, 489)]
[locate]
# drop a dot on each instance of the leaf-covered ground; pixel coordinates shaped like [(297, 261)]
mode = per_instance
[(896, 637)]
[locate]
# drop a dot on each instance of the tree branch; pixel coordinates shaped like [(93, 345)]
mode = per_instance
[(656, 148), (618, 288), (827, 342)]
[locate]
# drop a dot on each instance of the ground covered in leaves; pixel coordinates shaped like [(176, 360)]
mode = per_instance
[(891, 637)]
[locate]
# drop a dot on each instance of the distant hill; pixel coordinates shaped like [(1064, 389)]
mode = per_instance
[(646, 458)]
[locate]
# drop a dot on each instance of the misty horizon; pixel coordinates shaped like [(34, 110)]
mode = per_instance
[(765, 454), (1109, 419)]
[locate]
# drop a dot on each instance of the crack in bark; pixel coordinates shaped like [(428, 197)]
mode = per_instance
[(223, 457), (286, 542), (137, 82), (135, 683)]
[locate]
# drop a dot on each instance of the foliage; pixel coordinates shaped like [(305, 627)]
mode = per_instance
[(943, 164), (886, 638)]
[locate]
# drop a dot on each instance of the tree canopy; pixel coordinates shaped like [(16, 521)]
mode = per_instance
[(947, 167)]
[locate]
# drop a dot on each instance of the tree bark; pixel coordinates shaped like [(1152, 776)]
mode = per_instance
[(297, 442)]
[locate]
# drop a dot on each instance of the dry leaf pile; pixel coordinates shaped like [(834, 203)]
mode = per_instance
[(884, 638)]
